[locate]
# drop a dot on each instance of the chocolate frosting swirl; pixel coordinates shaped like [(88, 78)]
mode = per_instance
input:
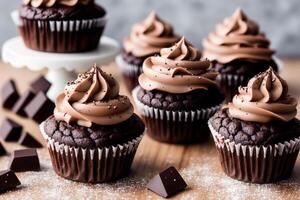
[(149, 36), (50, 3), (179, 69), (264, 99), (237, 38), (93, 98)]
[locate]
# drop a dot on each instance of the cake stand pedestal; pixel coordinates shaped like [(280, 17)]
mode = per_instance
[(61, 66)]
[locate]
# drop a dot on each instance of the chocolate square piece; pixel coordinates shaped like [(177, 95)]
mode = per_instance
[(2, 150), (8, 180), (29, 141), (40, 108), (40, 85), (10, 130), (22, 102), (24, 160), (9, 94), (167, 183)]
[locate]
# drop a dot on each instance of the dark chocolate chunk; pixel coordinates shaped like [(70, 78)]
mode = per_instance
[(10, 130), (2, 150), (40, 85), (40, 108), (8, 180), (167, 183), (9, 94), (28, 140), (24, 160), (22, 102)]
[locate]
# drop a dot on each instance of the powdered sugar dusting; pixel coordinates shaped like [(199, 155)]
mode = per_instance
[(201, 171), (216, 185)]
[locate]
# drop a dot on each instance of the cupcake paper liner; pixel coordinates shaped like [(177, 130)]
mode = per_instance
[(62, 36), (175, 126), (91, 165), (229, 84), (129, 72), (256, 164)]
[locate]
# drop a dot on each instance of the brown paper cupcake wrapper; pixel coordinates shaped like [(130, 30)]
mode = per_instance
[(91, 165), (256, 164), (229, 84), (175, 126), (129, 72), (62, 36)]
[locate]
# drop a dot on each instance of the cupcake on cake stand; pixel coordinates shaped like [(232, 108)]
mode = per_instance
[(62, 43)]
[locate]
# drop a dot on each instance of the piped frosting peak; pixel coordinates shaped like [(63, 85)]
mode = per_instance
[(149, 36), (237, 38), (264, 99), (178, 69), (93, 98)]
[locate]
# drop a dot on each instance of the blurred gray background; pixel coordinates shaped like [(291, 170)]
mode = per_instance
[(280, 19)]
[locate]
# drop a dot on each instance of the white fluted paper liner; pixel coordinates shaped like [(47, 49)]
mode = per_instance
[(128, 69), (184, 116), (278, 149), (256, 164), (107, 154), (68, 25), (231, 79)]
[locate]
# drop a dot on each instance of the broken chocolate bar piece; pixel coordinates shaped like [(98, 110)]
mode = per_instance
[(22, 102), (2, 150), (8, 180), (28, 140), (9, 94), (24, 160), (167, 183), (40, 85), (40, 108), (10, 130)]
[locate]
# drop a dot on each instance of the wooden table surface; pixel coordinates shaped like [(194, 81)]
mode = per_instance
[(198, 163)]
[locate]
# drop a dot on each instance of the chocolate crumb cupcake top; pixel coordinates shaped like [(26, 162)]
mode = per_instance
[(149, 36), (62, 12), (264, 99), (178, 69), (253, 133), (50, 3), (237, 38), (93, 98)]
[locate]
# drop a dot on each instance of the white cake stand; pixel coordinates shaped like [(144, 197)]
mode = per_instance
[(60, 66)]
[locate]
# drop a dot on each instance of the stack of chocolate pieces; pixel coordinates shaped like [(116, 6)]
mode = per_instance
[(33, 104), (11, 131)]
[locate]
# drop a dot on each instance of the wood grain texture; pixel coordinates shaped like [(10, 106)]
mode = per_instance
[(198, 163)]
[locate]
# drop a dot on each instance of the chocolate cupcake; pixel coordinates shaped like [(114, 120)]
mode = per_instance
[(257, 135), (177, 95), (238, 51), (94, 134), (61, 26), (146, 39)]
